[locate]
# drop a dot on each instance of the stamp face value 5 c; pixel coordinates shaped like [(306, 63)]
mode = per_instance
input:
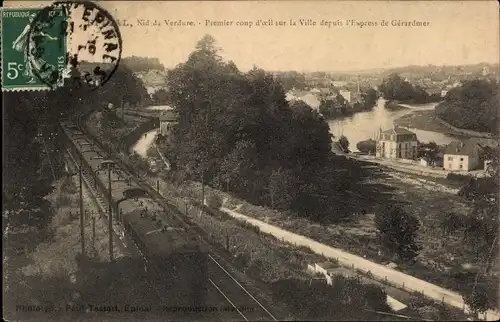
[(29, 47)]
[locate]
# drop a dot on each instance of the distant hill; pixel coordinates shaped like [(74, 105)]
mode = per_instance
[(426, 70), (149, 70), (142, 64)]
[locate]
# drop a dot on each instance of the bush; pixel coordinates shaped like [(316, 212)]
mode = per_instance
[(214, 201), (397, 232), (458, 177), (367, 146)]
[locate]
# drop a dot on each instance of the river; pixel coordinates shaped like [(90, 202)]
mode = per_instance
[(364, 125)]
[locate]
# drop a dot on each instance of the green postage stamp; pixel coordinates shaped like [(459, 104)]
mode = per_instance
[(33, 48)]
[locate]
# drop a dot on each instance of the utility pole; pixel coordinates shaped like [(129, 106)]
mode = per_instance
[(82, 228), (110, 220), (203, 186), (93, 231), (110, 164)]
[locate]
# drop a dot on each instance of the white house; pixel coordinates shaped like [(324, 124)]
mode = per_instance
[(461, 156), (397, 143)]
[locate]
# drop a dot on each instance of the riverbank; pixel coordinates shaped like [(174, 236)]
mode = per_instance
[(424, 120), (395, 106), (427, 120)]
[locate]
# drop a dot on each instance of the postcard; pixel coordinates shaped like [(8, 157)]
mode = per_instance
[(250, 160)]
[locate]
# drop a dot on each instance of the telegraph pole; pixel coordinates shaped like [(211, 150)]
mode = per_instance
[(109, 165), (122, 107), (110, 220), (82, 223), (203, 186)]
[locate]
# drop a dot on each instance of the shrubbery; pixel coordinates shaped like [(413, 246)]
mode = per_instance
[(458, 177), (345, 299), (214, 201)]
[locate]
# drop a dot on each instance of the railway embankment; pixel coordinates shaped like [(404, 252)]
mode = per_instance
[(252, 252)]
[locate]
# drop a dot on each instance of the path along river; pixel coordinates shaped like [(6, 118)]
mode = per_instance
[(365, 125)]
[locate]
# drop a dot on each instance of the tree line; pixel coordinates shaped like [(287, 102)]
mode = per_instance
[(472, 106), (237, 130), (395, 88)]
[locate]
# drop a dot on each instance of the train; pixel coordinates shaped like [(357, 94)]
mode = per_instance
[(175, 258)]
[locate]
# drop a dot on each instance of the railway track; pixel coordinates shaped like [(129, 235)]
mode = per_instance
[(226, 290)]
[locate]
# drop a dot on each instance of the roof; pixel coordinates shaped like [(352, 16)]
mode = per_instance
[(397, 130), (175, 239), (311, 100), (461, 148), (168, 116)]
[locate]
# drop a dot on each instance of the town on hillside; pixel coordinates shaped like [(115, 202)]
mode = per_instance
[(209, 175)]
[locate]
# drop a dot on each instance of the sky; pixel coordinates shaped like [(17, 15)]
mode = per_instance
[(458, 32)]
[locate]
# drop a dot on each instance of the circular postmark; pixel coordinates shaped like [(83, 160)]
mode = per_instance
[(87, 36)]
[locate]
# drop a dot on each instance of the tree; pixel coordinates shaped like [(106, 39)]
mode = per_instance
[(281, 188), (344, 143), (370, 97), (397, 232), (481, 298), (429, 151), (142, 64), (472, 106), (368, 146), (451, 223), (123, 87), (237, 129), (160, 97), (394, 87)]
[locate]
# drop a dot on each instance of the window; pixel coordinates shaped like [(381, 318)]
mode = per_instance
[(450, 158), (461, 159), (461, 166)]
